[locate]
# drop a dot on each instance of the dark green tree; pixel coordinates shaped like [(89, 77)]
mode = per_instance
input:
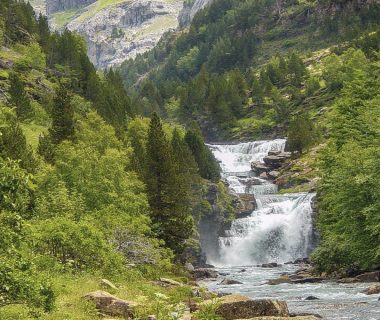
[(18, 97), (167, 193), (301, 133), (62, 116)]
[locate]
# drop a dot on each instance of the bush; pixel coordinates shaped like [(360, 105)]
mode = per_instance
[(75, 245)]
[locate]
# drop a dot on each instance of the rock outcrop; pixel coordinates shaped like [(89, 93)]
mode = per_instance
[(190, 9), (111, 305)]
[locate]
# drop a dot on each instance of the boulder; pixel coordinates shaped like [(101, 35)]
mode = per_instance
[(273, 174), (285, 318), (308, 280), (227, 281), (165, 282), (247, 203), (309, 298), (274, 153), (111, 305), (282, 279), (276, 161), (240, 307), (375, 289), (106, 284), (270, 265), (263, 175), (369, 277), (204, 273), (258, 167), (189, 267)]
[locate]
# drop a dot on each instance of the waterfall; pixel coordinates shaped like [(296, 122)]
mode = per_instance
[(280, 229)]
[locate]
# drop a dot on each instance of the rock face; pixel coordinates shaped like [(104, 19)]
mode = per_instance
[(123, 30), (53, 6), (241, 307), (111, 305), (190, 9)]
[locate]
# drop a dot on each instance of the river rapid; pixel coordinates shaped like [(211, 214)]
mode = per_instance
[(279, 230)]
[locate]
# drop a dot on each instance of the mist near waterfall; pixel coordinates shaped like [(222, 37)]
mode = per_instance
[(281, 227)]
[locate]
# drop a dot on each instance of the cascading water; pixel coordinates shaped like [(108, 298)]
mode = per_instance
[(280, 229)]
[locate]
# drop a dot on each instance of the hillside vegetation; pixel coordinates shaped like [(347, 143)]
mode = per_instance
[(88, 190), (307, 70)]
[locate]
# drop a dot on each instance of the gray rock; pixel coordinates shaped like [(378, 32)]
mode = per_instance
[(309, 298), (227, 281), (204, 273), (273, 174), (189, 267)]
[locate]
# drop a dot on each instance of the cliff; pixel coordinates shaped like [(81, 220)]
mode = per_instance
[(189, 10), (123, 30)]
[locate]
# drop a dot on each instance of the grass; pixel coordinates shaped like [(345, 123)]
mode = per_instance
[(70, 304), (64, 17), (80, 14)]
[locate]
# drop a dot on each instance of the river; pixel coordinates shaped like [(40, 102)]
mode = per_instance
[(279, 230)]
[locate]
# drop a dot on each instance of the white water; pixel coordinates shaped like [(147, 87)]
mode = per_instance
[(279, 230)]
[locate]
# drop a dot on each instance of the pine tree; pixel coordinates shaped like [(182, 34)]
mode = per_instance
[(167, 194), (13, 145), (62, 116), (19, 98), (257, 92), (207, 164), (301, 133)]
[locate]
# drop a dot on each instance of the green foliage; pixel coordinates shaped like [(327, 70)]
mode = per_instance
[(16, 188), (77, 245), (32, 58), (348, 219)]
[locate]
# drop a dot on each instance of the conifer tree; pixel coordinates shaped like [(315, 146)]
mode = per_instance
[(62, 116), (13, 145), (18, 97), (207, 164), (167, 194), (301, 133)]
